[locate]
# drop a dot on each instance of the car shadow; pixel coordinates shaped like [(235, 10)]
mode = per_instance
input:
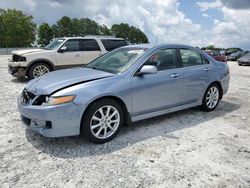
[(78, 147), (20, 80)]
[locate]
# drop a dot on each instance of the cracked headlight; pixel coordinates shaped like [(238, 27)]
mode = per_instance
[(58, 100)]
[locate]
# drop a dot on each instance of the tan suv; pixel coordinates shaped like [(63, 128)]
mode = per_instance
[(61, 53)]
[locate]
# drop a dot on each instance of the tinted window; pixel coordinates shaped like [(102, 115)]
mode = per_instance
[(89, 45), (72, 45), (190, 58), (163, 59), (110, 44)]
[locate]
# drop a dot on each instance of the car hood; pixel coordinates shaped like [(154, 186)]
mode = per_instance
[(28, 51), (55, 81)]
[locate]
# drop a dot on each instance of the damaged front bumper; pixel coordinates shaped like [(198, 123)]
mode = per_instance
[(51, 121), (16, 70)]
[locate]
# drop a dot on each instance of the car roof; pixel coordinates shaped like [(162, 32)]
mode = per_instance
[(94, 37), (155, 45)]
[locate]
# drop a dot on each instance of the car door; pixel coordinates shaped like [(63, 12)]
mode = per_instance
[(195, 73), (69, 54), (162, 90), (90, 50)]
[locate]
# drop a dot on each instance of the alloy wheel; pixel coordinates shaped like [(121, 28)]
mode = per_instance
[(212, 97), (105, 122), (40, 70)]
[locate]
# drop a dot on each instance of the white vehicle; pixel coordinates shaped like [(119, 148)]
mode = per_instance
[(60, 53)]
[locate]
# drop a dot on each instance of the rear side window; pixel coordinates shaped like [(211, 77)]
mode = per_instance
[(110, 44), (89, 45), (191, 58)]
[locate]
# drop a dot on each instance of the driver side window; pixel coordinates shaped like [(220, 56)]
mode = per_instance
[(71, 45), (163, 59)]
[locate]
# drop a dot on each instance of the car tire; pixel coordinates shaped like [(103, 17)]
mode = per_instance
[(102, 121), (240, 64), (211, 98), (38, 69)]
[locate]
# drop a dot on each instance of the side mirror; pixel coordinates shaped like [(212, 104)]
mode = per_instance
[(147, 69), (62, 49)]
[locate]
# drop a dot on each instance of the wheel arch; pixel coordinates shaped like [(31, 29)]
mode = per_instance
[(40, 60), (220, 87)]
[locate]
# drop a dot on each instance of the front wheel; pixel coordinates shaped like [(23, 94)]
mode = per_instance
[(211, 98), (102, 121), (38, 69)]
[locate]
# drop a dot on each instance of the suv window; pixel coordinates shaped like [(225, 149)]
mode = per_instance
[(72, 45), (190, 58), (89, 45), (110, 44), (163, 59)]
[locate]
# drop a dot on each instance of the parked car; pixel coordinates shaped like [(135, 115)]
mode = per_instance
[(128, 84), (61, 53), (216, 55), (244, 60), (235, 56)]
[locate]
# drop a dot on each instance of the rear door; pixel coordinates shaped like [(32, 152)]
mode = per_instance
[(162, 90), (90, 50), (196, 74)]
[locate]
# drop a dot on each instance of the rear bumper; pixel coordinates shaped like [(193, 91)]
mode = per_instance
[(52, 121)]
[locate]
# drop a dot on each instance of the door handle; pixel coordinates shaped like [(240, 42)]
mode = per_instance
[(175, 75), (77, 55), (206, 69)]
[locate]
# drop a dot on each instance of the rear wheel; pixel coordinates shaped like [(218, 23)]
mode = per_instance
[(102, 121), (211, 98), (38, 69)]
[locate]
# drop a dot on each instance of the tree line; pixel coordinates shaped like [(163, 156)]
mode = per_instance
[(19, 30)]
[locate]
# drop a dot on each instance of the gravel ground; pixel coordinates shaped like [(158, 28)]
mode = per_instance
[(184, 149)]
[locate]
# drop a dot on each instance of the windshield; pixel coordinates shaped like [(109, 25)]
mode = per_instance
[(117, 61), (54, 44)]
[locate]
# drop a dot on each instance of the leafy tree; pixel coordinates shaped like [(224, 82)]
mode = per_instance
[(63, 27), (136, 36), (131, 34), (66, 27), (210, 47), (88, 27), (45, 34), (121, 30), (104, 30), (17, 29)]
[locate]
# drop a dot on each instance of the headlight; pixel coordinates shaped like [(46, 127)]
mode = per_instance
[(58, 100)]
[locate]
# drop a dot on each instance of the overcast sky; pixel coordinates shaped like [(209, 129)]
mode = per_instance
[(224, 23)]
